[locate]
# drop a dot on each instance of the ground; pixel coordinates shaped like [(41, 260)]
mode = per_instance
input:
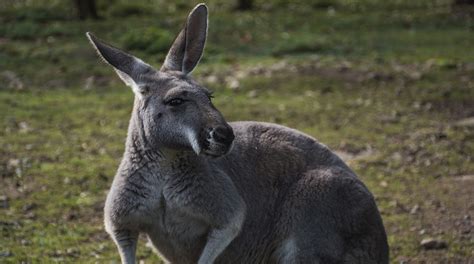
[(389, 87)]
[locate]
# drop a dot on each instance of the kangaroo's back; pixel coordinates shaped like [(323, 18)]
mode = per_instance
[(274, 152)]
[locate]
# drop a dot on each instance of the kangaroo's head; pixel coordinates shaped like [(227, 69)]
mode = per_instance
[(171, 109)]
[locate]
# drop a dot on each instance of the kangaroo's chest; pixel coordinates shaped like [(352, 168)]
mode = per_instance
[(167, 209), (158, 210), (176, 234), (172, 222), (153, 210)]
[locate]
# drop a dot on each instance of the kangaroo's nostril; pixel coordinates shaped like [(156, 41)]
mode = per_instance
[(220, 130), (223, 134)]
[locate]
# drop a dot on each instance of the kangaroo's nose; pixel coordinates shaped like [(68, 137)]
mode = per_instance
[(223, 134)]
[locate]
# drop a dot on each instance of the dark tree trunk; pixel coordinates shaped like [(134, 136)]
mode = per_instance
[(463, 2), (86, 9), (244, 4)]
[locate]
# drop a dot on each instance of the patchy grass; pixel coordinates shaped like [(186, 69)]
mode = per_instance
[(386, 89)]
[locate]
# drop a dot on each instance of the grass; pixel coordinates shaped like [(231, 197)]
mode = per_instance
[(384, 87)]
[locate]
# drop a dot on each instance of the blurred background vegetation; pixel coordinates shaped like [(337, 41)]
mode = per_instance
[(388, 85)]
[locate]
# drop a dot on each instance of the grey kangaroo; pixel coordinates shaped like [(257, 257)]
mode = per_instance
[(207, 191)]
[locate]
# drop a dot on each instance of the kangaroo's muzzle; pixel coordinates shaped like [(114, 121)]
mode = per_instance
[(222, 134), (219, 141)]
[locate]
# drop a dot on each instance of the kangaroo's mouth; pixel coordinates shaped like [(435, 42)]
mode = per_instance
[(215, 149)]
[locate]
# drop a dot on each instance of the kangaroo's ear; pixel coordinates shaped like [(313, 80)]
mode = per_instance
[(187, 48), (128, 67)]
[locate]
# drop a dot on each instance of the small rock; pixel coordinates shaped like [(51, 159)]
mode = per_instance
[(433, 244), (5, 254), (57, 253), (211, 79), (279, 66), (89, 83), (416, 105), (415, 209), (252, 94), (422, 232), (464, 178), (29, 207), (50, 39), (331, 11), (414, 75), (72, 252), (397, 156), (232, 83), (13, 163), (399, 207), (12, 80), (467, 122), (102, 247), (30, 215), (403, 260), (383, 184), (4, 202), (102, 151), (240, 74), (95, 255), (309, 93), (24, 127)]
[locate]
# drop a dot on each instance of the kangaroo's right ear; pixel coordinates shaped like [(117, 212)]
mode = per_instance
[(187, 48), (128, 67)]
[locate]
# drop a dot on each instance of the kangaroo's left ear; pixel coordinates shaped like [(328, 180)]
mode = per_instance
[(128, 67), (188, 47)]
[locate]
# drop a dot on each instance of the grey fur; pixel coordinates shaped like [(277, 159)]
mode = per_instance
[(271, 195)]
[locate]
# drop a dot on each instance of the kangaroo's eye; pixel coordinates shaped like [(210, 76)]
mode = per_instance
[(175, 102), (144, 90)]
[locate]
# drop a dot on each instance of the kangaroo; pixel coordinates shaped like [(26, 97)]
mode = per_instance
[(207, 191)]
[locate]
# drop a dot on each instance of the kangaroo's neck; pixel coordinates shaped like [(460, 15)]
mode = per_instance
[(140, 154)]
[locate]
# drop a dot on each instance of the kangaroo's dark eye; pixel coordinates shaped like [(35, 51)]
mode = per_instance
[(175, 102), (144, 90)]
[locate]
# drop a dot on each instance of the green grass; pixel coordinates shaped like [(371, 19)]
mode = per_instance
[(390, 82)]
